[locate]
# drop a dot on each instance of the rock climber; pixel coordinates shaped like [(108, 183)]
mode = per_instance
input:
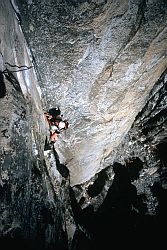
[(56, 124), (53, 114)]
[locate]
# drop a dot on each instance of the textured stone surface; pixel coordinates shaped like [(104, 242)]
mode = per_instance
[(98, 61), (102, 57), (34, 208), (126, 202)]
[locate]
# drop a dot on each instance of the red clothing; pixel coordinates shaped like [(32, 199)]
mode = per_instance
[(53, 137)]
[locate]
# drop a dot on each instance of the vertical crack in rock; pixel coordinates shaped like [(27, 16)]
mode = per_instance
[(98, 61), (34, 210), (104, 63)]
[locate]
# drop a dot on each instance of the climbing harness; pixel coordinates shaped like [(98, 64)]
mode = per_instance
[(56, 123)]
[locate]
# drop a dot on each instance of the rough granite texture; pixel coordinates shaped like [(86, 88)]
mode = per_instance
[(127, 203), (34, 208), (98, 61), (104, 64)]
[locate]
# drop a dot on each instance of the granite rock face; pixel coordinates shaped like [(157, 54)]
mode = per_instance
[(126, 202), (33, 205), (98, 61), (104, 64)]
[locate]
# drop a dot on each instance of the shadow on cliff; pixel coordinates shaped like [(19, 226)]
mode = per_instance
[(8, 243), (2, 85), (63, 170), (122, 220)]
